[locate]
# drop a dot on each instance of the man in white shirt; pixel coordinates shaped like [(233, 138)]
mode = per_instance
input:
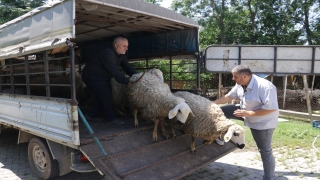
[(259, 110)]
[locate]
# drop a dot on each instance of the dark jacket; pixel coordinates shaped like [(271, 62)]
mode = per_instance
[(106, 65)]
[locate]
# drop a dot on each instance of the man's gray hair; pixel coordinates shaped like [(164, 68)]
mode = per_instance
[(117, 39), (242, 69)]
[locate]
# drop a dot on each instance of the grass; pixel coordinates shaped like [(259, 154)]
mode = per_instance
[(292, 134)]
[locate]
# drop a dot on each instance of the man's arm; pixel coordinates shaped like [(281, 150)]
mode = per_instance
[(258, 112), (127, 67), (223, 100), (110, 63)]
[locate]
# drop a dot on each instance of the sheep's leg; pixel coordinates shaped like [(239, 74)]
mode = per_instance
[(193, 148), (173, 132), (164, 132), (135, 113), (155, 130), (207, 142)]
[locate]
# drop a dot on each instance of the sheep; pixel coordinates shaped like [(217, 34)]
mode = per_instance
[(156, 72), (120, 100), (209, 123), (152, 98)]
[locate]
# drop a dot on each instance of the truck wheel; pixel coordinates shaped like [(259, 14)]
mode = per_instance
[(40, 159)]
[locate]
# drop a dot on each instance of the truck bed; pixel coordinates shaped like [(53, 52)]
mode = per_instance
[(131, 153)]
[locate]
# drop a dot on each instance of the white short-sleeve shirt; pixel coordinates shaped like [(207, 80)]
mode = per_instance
[(260, 93)]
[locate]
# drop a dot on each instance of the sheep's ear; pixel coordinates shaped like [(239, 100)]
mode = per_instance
[(172, 113), (228, 135)]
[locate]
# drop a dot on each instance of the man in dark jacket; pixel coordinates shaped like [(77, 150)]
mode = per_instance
[(97, 76)]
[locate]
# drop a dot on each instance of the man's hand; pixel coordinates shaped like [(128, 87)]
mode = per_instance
[(240, 113), (129, 84), (245, 113)]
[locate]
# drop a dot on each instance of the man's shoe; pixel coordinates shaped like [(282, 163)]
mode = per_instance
[(116, 122), (219, 141), (96, 119)]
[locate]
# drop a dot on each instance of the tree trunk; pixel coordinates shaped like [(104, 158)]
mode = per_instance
[(305, 83), (285, 79), (306, 22), (223, 33)]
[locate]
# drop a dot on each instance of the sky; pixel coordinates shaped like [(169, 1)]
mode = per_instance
[(166, 3)]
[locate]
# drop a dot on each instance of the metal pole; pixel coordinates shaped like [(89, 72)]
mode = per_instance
[(72, 71), (171, 84), (1, 78), (91, 131), (11, 76), (26, 70), (46, 72), (147, 63), (199, 58)]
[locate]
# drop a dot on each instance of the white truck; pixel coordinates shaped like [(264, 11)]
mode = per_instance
[(42, 54)]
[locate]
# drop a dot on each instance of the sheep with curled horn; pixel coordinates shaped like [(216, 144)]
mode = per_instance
[(153, 99), (209, 123)]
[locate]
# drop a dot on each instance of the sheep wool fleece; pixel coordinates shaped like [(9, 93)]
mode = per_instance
[(119, 94), (151, 96), (209, 122)]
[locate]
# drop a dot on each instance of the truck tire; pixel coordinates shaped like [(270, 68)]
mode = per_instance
[(40, 159)]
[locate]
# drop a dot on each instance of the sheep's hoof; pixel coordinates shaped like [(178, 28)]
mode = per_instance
[(137, 125), (193, 151), (206, 142), (174, 136), (166, 135), (155, 137)]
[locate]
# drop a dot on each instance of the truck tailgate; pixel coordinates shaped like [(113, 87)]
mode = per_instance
[(133, 155)]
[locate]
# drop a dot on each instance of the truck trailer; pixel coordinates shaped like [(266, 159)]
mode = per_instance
[(42, 54)]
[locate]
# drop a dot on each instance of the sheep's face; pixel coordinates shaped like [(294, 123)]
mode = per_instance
[(181, 112), (236, 134)]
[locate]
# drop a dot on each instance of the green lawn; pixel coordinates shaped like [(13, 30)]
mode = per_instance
[(292, 134)]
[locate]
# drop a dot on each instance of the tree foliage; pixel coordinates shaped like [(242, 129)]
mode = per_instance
[(264, 22), (10, 9), (153, 1)]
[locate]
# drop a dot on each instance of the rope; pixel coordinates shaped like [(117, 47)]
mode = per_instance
[(139, 77), (314, 142)]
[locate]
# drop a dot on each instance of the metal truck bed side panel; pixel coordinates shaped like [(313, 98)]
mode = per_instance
[(23, 35), (265, 59), (50, 118)]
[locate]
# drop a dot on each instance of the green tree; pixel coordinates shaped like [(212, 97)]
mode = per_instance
[(316, 32), (153, 1), (277, 24), (264, 22), (10, 9), (306, 16)]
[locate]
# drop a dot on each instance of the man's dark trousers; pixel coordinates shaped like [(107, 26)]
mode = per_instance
[(101, 88)]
